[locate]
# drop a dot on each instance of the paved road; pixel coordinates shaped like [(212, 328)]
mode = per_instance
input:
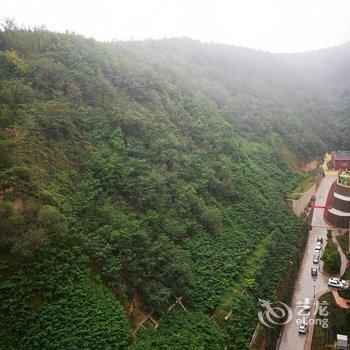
[(321, 198), (306, 286)]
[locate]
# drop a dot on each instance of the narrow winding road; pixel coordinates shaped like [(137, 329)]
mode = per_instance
[(306, 286)]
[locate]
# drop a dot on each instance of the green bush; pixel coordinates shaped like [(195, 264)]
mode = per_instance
[(344, 293), (5, 160), (331, 258), (329, 234)]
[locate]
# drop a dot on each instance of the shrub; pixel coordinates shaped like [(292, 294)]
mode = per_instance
[(51, 220), (331, 258), (10, 222), (4, 151), (344, 293), (329, 234)]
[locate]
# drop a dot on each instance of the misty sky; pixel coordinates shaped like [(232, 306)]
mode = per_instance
[(273, 25)]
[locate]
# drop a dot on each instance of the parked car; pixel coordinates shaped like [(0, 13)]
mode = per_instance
[(316, 258), (302, 328), (306, 305), (313, 272), (337, 282), (319, 239), (318, 246)]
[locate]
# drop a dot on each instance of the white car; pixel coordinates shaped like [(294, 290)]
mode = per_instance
[(336, 282), (302, 328), (316, 258), (306, 305), (318, 246)]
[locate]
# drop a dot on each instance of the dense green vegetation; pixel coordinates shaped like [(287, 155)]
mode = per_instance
[(331, 258), (344, 180), (135, 173), (181, 330), (54, 302), (338, 323), (307, 181), (345, 293), (343, 241)]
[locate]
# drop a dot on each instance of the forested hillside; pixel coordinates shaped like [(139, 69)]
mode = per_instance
[(132, 174), (329, 69)]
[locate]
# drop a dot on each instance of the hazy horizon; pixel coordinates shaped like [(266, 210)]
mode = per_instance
[(270, 25)]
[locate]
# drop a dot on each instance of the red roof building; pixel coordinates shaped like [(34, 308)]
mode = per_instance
[(341, 160)]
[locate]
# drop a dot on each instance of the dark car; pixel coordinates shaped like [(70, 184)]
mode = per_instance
[(313, 272)]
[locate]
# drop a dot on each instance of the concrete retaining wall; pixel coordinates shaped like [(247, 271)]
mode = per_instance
[(299, 205)]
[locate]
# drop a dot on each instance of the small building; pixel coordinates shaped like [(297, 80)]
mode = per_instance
[(342, 342), (341, 160)]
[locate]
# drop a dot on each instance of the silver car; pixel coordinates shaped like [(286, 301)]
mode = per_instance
[(318, 246), (302, 328)]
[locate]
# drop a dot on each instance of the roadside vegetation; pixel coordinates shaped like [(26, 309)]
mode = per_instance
[(338, 323), (331, 258), (307, 181), (330, 165), (343, 241), (345, 293), (344, 244)]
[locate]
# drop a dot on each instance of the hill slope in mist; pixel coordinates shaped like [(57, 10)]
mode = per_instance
[(132, 174), (329, 69), (257, 92)]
